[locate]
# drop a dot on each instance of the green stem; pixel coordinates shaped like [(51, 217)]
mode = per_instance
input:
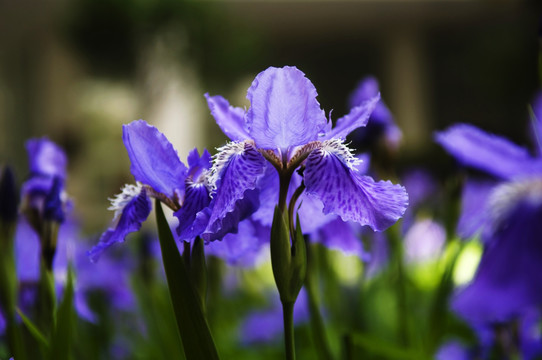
[(285, 178), (288, 317)]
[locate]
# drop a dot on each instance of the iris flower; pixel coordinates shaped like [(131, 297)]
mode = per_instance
[(159, 174), (43, 193), (508, 280), (286, 129)]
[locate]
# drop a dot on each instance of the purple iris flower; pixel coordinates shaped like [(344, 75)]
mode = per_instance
[(43, 192), (508, 282), (285, 129), (381, 125), (159, 174)]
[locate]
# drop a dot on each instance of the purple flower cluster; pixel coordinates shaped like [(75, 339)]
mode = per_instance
[(284, 129)]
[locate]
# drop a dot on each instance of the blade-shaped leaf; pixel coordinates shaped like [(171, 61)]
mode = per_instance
[(33, 329), (193, 329), (61, 342)]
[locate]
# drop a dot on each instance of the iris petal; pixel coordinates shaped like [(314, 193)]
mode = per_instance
[(493, 154), (230, 119), (243, 248), (284, 111), (238, 168), (196, 199), (154, 160), (356, 118), (509, 278), (46, 158), (343, 236), (474, 213), (133, 215), (354, 197)]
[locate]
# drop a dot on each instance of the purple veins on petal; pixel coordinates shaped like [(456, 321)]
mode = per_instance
[(487, 152), (154, 161), (196, 199), (46, 158), (283, 109), (236, 171), (242, 209), (198, 164), (330, 176), (230, 119), (131, 211)]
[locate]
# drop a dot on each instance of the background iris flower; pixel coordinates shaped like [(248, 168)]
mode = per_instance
[(507, 283)]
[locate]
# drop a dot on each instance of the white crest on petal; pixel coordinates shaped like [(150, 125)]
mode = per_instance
[(119, 202), (221, 159), (338, 148), (505, 198)]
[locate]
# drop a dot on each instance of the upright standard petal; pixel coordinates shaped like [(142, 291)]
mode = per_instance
[(230, 119), (366, 89), (283, 110), (490, 153), (46, 158), (154, 160), (198, 164), (358, 117), (236, 171), (133, 214), (330, 176)]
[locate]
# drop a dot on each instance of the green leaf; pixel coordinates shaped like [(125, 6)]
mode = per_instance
[(193, 329), (33, 329), (299, 260), (198, 270), (61, 342)]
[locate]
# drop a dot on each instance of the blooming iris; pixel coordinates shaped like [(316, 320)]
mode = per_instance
[(285, 128), (160, 174), (508, 283)]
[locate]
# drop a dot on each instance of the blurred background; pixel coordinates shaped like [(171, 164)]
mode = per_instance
[(77, 70)]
